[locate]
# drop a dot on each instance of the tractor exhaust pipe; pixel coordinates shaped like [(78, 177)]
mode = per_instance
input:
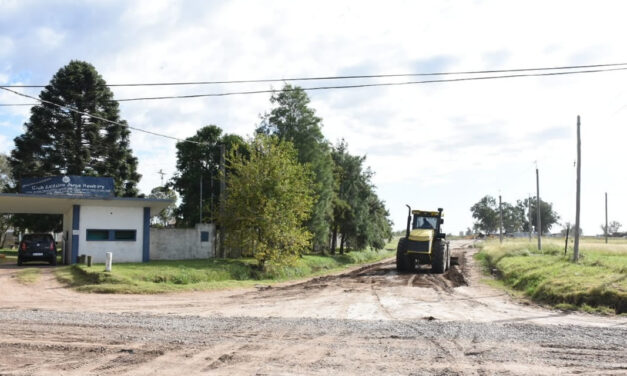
[(408, 220)]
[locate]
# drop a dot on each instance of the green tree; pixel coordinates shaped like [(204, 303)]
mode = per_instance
[(293, 120), (513, 217), (360, 218), (199, 158), (486, 215), (57, 141), (269, 199), (548, 216)]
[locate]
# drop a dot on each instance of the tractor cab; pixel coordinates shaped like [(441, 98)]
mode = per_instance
[(421, 223)]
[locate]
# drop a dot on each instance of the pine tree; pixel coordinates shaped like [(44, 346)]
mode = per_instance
[(62, 142), (58, 141)]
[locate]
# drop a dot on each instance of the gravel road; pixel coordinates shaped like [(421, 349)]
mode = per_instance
[(369, 320)]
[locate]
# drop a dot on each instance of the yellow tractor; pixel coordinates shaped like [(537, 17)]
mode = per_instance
[(424, 242)]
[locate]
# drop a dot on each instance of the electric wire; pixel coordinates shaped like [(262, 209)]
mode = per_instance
[(318, 88), (366, 85), (305, 89), (101, 118), (346, 77)]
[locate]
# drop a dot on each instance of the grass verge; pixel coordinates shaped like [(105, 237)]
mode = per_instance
[(597, 283), (28, 275), (169, 276), (8, 255)]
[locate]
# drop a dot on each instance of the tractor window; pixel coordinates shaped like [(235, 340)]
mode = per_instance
[(424, 222)]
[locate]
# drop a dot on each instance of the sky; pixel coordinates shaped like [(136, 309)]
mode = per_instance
[(431, 145)]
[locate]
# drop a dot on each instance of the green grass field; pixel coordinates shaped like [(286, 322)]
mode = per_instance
[(169, 276), (597, 283)]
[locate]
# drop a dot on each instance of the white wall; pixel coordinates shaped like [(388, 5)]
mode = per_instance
[(111, 218), (182, 244)]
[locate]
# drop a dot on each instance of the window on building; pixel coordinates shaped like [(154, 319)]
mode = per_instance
[(111, 235), (204, 236), (97, 234), (124, 235)]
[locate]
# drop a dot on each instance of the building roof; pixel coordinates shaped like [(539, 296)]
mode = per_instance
[(46, 204)]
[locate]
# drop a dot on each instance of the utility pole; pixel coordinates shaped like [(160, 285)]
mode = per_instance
[(529, 215), (577, 224), (538, 210), (606, 228), (222, 195), (500, 221)]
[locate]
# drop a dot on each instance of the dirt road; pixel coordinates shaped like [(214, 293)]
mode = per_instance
[(364, 321)]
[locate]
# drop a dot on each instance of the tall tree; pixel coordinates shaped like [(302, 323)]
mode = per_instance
[(58, 141), (269, 199), (548, 217), (486, 214), (359, 216), (293, 120), (513, 217), (198, 159)]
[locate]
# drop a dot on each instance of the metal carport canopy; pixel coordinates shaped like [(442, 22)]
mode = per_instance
[(16, 203)]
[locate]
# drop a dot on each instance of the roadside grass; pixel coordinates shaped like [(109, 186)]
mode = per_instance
[(8, 255), (28, 275), (597, 283), (170, 276)]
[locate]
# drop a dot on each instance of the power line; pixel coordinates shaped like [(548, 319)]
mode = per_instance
[(369, 85), (100, 118), (346, 77), (318, 88)]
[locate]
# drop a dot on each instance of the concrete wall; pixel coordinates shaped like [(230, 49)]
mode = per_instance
[(111, 218), (182, 244)]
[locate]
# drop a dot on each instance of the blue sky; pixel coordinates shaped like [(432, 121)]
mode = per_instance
[(436, 145)]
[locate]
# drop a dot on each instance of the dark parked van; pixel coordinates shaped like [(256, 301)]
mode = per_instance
[(34, 247)]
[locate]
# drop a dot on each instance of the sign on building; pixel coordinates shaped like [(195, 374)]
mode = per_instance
[(76, 186)]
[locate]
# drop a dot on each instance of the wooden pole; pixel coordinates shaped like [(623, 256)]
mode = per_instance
[(578, 207), (538, 210)]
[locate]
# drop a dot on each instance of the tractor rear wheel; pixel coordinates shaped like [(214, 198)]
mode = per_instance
[(402, 261), (438, 261)]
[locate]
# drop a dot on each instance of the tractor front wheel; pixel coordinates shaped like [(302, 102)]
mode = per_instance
[(402, 261)]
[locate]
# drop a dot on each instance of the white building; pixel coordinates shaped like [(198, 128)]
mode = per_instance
[(94, 226)]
